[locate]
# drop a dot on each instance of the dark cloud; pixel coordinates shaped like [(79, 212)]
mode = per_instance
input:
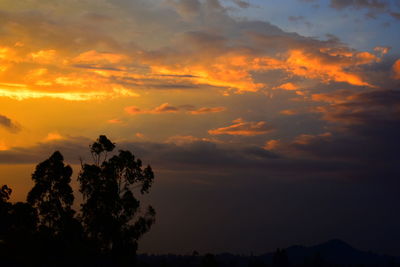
[(8, 124), (242, 4), (374, 7), (72, 148), (363, 127), (396, 15), (372, 4), (243, 128)]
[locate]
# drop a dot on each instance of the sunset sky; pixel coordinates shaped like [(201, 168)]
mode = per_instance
[(268, 123)]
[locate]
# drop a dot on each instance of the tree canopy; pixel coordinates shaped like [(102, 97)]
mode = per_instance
[(104, 231), (110, 210)]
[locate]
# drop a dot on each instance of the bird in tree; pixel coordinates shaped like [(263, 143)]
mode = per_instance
[(111, 213), (52, 195)]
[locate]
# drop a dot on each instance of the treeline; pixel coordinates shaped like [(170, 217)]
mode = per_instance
[(46, 230), (280, 258)]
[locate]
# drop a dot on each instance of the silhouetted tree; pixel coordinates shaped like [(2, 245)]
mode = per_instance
[(18, 225), (5, 193), (5, 206), (52, 194), (110, 211)]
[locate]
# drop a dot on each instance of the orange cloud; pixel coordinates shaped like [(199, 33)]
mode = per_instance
[(326, 67), (288, 112), (44, 56), (167, 108), (92, 62), (7, 53), (287, 86), (205, 110), (54, 136), (3, 146), (234, 69), (339, 96), (140, 135), (243, 128), (94, 56), (114, 121), (163, 108), (187, 139), (231, 71), (305, 139), (133, 110), (272, 144), (383, 50), (396, 69), (22, 75)]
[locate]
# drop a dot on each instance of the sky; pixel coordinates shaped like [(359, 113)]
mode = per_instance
[(268, 123)]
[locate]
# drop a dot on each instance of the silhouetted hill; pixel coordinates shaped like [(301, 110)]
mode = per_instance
[(332, 253)]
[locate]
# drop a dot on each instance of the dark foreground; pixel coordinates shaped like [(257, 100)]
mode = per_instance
[(331, 253)]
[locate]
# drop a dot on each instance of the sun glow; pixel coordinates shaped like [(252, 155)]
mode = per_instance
[(22, 92)]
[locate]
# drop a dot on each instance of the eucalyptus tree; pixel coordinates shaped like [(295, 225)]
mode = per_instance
[(52, 195), (111, 212)]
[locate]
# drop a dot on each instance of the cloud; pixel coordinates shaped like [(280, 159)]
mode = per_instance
[(71, 147), (395, 15), (181, 140), (287, 86), (84, 62), (366, 108), (114, 121), (271, 144), (242, 4), (382, 49), (133, 110), (243, 128), (205, 110), (177, 151), (167, 108), (244, 51), (44, 56), (186, 8), (164, 108), (288, 112), (372, 4), (374, 7), (54, 136), (95, 57), (363, 126), (396, 69), (9, 125)]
